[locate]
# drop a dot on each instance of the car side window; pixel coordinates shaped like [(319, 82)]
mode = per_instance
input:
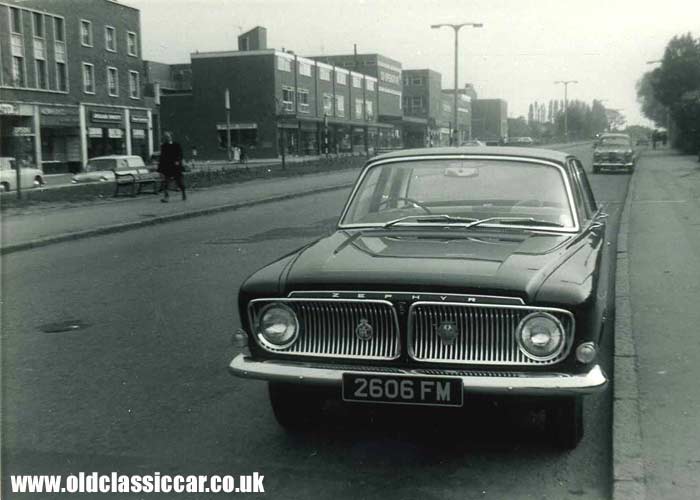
[(122, 165), (588, 197), (581, 205)]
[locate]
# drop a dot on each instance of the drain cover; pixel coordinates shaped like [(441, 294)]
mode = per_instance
[(63, 326)]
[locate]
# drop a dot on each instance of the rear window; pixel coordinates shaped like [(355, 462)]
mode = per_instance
[(98, 165)]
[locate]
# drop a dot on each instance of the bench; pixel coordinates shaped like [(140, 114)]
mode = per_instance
[(135, 182)]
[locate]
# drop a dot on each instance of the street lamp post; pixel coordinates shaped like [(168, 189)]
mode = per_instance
[(456, 28), (227, 103), (566, 106)]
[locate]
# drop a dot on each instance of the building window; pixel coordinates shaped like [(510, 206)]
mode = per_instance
[(38, 23), (134, 85), (327, 104), (86, 33), (132, 44), (304, 69), (110, 39), (41, 80), (287, 99), (61, 77), (369, 110), (284, 64), (406, 81), (15, 20), (88, 78), (59, 32), (357, 81), (370, 85), (417, 102), (112, 81), (358, 108), (417, 81), (303, 97), (341, 78), (404, 101), (324, 74), (339, 105), (18, 78)]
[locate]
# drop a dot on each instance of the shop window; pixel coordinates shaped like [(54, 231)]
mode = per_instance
[(132, 44), (134, 85), (110, 39), (86, 33), (303, 96), (112, 81), (358, 108), (15, 20), (339, 105), (284, 64), (61, 77), (324, 74), (287, 99), (88, 78), (341, 78)]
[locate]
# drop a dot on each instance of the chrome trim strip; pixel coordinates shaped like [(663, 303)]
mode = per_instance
[(465, 156), (385, 292), (337, 321), (517, 383), (485, 324)]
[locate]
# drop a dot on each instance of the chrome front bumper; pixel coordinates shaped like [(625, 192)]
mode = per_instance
[(531, 383), (613, 165)]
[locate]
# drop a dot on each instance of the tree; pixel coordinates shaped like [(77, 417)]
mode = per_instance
[(651, 107), (530, 114)]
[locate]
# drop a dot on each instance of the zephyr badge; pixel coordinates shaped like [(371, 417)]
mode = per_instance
[(364, 330), (447, 331)]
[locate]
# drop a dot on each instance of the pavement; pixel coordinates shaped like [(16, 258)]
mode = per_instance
[(657, 401)]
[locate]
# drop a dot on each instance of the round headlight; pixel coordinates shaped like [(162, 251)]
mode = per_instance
[(278, 326), (541, 336)]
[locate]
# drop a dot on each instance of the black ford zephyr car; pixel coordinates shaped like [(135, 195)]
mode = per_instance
[(452, 271)]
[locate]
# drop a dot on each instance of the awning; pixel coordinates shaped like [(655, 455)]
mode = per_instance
[(237, 126)]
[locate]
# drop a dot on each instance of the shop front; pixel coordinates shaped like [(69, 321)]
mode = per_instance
[(139, 135), (60, 138), (105, 133), (17, 137)]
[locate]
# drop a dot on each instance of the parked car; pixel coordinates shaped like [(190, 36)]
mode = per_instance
[(521, 141), (614, 152), (436, 286), (101, 168), (643, 141), (473, 142), (30, 176)]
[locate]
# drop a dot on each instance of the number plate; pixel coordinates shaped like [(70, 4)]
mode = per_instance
[(436, 391)]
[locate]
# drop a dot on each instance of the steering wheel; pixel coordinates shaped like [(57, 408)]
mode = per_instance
[(410, 200)]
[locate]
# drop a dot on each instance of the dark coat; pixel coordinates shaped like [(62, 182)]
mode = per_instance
[(170, 162)]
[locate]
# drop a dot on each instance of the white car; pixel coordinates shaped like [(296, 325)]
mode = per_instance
[(102, 168), (29, 176)]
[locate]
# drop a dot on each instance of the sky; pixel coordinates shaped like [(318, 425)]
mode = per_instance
[(523, 47)]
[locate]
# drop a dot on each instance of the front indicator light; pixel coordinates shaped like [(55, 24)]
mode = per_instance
[(277, 326), (586, 352), (541, 336)]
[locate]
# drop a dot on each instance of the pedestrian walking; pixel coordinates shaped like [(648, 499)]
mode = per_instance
[(170, 166)]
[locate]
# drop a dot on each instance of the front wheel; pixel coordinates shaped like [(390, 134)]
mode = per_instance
[(565, 422), (296, 408)]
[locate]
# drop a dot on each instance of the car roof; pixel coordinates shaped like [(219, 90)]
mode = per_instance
[(614, 135), (534, 153), (115, 157)]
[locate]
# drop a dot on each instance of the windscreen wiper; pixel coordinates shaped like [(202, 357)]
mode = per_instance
[(431, 218), (516, 221)]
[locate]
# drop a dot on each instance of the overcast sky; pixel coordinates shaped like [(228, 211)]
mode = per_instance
[(523, 47)]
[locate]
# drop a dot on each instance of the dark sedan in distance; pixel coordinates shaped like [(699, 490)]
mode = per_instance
[(452, 271), (614, 152)]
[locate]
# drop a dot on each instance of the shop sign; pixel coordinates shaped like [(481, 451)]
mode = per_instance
[(139, 119), (22, 131), (115, 133), (239, 126), (98, 116), (94, 132), (139, 133), (58, 112), (8, 109)]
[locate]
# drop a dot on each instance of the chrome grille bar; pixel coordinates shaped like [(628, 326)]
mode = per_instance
[(485, 333), (327, 327)]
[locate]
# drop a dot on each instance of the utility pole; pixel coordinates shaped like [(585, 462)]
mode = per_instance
[(227, 103), (566, 106), (456, 27)]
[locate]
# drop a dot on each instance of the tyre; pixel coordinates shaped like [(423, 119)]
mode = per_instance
[(5, 187), (38, 181), (565, 422), (296, 408)]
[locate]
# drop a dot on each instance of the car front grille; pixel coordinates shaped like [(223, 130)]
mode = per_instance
[(480, 335), (329, 328)]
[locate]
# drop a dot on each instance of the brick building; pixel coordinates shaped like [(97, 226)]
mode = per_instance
[(279, 101), (71, 82)]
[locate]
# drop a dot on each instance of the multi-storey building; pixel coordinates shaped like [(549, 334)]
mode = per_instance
[(490, 120), (464, 111), (277, 101), (71, 82)]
